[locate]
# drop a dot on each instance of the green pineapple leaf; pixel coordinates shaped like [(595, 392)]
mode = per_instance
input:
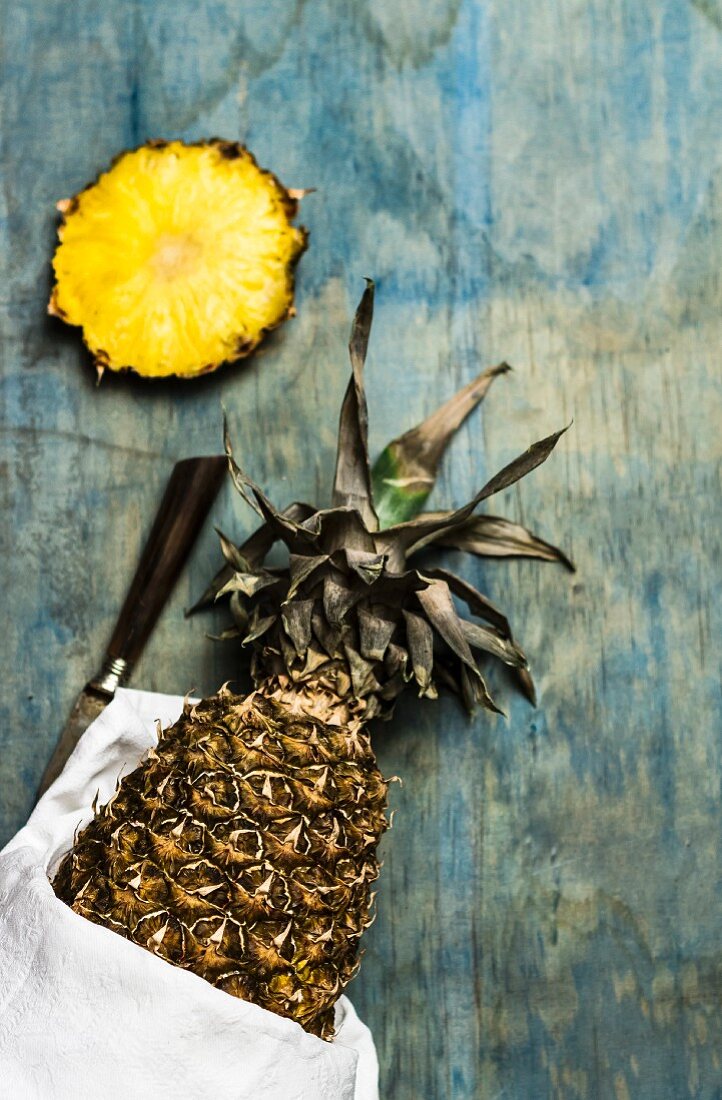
[(405, 472), (398, 540)]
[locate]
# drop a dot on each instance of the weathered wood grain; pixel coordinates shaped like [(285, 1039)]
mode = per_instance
[(535, 182)]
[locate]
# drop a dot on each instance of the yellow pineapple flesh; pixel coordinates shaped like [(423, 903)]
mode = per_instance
[(177, 259)]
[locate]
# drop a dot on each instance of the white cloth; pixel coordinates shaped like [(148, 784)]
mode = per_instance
[(85, 1013)]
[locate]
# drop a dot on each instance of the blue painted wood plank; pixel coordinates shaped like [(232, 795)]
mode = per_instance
[(536, 182)]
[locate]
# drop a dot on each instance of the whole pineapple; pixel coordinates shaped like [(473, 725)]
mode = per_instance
[(244, 847)]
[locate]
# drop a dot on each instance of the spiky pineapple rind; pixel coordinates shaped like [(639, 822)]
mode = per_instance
[(243, 849)]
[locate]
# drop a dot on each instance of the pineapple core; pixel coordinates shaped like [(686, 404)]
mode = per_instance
[(177, 259), (176, 255)]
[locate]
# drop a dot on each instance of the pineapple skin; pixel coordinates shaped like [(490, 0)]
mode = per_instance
[(242, 849)]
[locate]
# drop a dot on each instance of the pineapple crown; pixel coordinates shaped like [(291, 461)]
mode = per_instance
[(349, 614)]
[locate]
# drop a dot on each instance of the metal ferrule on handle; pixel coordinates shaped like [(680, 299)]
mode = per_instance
[(114, 673)]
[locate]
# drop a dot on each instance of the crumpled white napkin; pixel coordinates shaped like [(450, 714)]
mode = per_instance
[(85, 1013)]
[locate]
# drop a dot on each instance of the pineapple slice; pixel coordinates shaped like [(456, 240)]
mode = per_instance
[(177, 259)]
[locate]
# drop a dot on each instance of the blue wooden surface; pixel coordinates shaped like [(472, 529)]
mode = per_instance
[(540, 182)]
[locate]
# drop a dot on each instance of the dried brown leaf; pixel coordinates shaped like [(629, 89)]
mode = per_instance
[(439, 609), (420, 640), (495, 537), (352, 481), (374, 634), (477, 603), (488, 639), (296, 617)]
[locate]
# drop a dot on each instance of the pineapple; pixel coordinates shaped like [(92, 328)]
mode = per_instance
[(244, 847), (177, 259)]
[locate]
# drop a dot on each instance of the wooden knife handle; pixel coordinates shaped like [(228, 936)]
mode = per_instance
[(192, 488)]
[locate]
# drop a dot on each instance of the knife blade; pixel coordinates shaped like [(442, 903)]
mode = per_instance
[(191, 490)]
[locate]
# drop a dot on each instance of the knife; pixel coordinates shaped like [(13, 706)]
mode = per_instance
[(193, 486)]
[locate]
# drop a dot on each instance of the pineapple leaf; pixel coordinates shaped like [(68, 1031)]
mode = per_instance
[(301, 567), (248, 584), (232, 553), (496, 537), (340, 528), (481, 606), (488, 639), (240, 482), (260, 624), (337, 600), (296, 618), (405, 472), (474, 690), (526, 684), (478, 604), (295, 535), (420, 639), (374, 634), (493, 537), (352, 482), (253, 551), (367, 567), (439, 609), (398, 540)]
